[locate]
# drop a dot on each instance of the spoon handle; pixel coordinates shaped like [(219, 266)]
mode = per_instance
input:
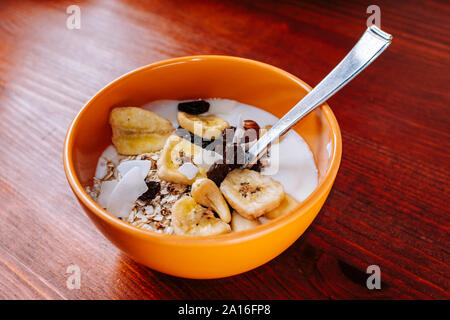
[(372, 43)]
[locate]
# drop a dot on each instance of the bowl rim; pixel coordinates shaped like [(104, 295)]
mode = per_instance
[(214, 240)]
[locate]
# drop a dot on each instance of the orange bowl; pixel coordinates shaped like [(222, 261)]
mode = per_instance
[(247, 81)]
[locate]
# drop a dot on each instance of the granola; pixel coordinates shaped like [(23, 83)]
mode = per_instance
[(152, 212)]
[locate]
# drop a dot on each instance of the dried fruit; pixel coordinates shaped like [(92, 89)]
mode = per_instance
[(207, 127), (136, 131), (191, 219), (218, 172), (189, 170), (194, 107), (233, 157), (154, 187), (206, 193), (175, 153), (287, 205), (239, 223), (143, 165), (129, 188), (250, 193), (106, 190)]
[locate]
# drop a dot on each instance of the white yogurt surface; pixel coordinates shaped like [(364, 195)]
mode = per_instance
[(291, 161)]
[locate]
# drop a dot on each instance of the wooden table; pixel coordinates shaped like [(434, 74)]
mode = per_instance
[(388, 207)]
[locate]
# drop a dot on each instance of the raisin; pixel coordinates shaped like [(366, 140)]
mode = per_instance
[(194, 107), (218, 171), (153, 188), (233, 153), (233, 156)]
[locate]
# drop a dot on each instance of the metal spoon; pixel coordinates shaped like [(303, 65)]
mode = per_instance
[(372, 43)]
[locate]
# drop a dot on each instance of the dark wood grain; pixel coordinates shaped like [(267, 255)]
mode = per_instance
[(389, 205)]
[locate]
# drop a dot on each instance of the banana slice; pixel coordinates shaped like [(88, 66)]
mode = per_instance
[(208, 127), (287, 206), (206, 193), (136, 131), (177, 152), (250, 193), (191, 219), (239, 223)]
